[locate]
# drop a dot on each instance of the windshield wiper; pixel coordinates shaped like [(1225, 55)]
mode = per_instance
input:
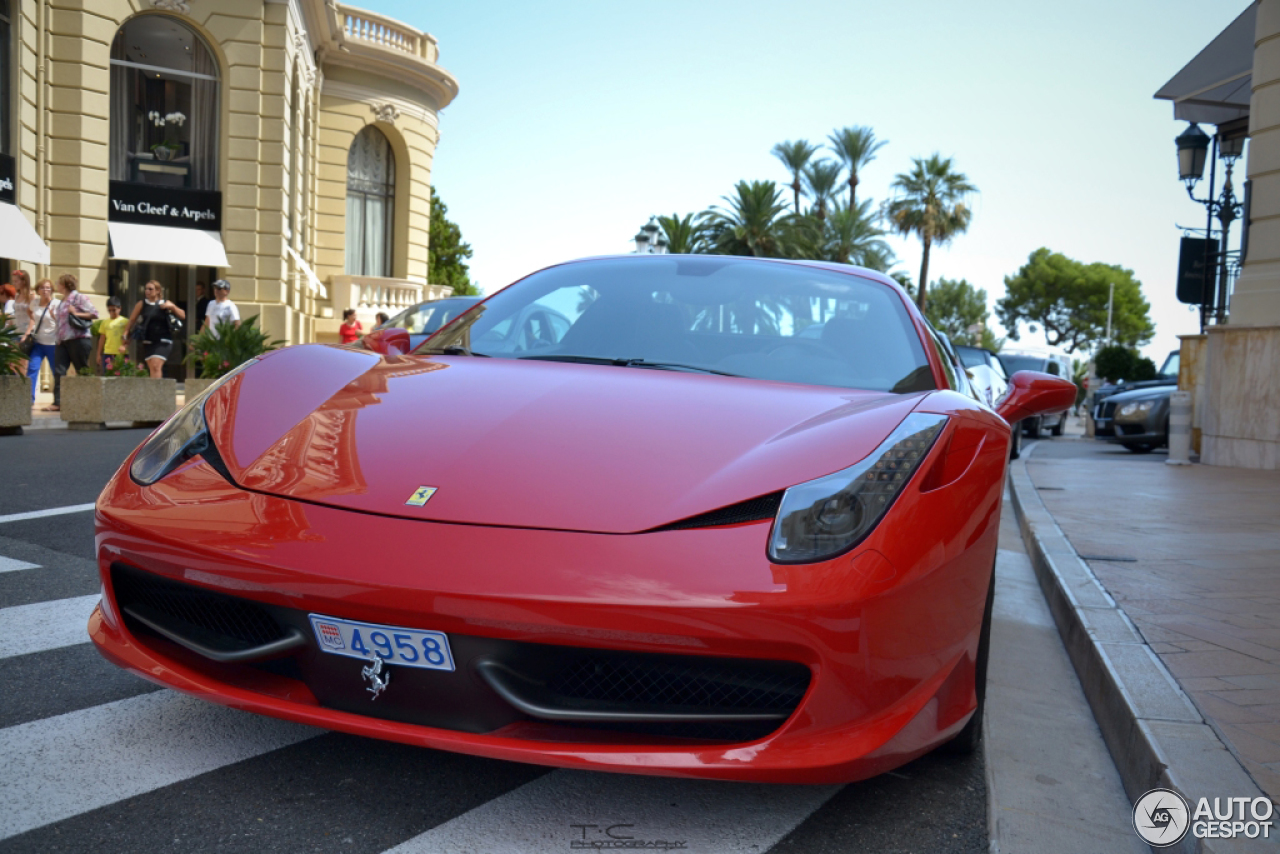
[(670, 366), (630, 363), (459, 350)]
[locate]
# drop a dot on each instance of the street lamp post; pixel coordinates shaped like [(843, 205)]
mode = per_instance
[(1193, 146), (650, 240)]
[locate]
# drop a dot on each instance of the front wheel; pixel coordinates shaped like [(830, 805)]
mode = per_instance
[(1033, 427), (1015, 442), (1056, 429), (969, 739)]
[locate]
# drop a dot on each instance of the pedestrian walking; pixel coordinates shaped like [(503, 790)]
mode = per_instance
[(350, 330), (44, 329), (112, 343), (74, 345), (222, 310), (20, 314), (150, 323), (202, 304)]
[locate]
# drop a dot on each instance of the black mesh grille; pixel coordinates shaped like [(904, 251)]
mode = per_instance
[(684, 684), (235, 623), (1108, 408), (751, 510)]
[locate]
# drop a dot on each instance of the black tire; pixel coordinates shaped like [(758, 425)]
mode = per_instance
[(1015, 442), (1056, 429), (1034, 427), (1139, 447), (969, 739)]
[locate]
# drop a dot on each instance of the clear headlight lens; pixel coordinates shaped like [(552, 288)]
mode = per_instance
[(824, 517), (181, 438), (1135, 410)]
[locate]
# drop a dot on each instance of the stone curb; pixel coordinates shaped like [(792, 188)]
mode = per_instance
[(1156, 736)]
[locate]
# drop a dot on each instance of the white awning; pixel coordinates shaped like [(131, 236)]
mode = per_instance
[(161, 244), (18, 240), (1215, 87)]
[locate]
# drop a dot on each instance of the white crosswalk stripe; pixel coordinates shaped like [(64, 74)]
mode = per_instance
[(8, 564), (45, 625), (552, 812), (40, 514), (136, 746)]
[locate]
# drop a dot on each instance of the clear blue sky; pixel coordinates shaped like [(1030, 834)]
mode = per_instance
[(578, 120)]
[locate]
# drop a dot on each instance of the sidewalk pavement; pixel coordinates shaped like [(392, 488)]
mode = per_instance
[(1165, 581)]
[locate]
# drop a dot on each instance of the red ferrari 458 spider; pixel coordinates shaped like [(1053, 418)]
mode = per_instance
[(690, 515)]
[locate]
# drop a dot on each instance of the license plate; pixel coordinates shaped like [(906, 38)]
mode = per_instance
[(409, 647)]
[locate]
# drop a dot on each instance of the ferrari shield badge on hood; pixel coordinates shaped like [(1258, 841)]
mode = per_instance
[(421, 496)]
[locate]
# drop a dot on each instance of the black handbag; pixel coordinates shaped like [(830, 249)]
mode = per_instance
[(27, 345), (77, 322)]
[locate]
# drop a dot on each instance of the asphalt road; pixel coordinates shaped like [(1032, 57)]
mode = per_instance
[(99, 760)]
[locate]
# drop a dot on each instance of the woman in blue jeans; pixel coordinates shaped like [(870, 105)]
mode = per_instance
[(44, 328)]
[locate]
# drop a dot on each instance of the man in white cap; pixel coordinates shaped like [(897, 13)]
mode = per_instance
[(222, 310)]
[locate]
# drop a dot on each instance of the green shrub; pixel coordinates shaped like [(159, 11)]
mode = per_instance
[(1117, 363), (210, 357), (10, 355)]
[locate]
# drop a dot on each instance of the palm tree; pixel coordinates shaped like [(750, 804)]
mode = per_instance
[(685, 234), (821, 178), (931, 205), (795, 155), (750, 225), (853, 236), (856, 147)]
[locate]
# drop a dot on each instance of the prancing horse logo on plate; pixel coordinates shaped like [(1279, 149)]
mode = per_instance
[(421, 496), (373, 672)]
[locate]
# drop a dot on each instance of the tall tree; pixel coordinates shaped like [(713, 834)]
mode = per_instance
[(856, 147), (795, 156), (853, 236), (446, 252), (820, 178), (751, 223), (685, 234), (1069, 299), (955, 307), (931, 204)]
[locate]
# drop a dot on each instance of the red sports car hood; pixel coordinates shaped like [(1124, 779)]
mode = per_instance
[(528, 443)]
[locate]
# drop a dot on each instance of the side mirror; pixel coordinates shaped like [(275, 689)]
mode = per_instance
[(388, 342), (1032, 393)]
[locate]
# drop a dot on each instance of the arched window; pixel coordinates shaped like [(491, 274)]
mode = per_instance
[(371, 178), (164, 105), (6, 81)]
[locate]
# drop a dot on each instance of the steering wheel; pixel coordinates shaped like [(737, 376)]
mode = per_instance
[(809, 344)]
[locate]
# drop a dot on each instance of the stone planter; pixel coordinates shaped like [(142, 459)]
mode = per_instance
[(88, 403), (194, 387), (15, 404)]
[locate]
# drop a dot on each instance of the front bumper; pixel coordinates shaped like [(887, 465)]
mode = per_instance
[(887, 634)]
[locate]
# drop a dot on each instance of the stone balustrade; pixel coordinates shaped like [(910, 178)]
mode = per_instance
[(364, 26)]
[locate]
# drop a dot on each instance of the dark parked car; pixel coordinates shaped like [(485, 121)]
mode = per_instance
[(1141, 418), (426, 317), (1104, 407)]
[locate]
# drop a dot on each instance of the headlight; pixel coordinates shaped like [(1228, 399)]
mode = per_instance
[(181, 438), (1135, 410), (832, 514)]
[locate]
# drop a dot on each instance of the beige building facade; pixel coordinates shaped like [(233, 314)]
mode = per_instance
[(1234, 85), (284, 145)]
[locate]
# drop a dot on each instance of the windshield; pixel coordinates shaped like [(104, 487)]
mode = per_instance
[(971, 357), (713, 314), (1171, 364), (426, 317)]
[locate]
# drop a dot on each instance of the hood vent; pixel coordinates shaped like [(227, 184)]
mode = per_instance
[(752, 510)]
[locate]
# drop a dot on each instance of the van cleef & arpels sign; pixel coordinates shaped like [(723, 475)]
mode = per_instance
[(144, 204)]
